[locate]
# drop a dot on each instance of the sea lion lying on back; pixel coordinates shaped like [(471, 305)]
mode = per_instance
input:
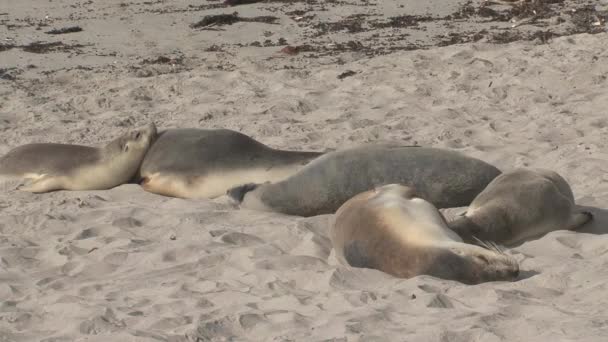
[(393, 230), (46, 166), (445, 178)]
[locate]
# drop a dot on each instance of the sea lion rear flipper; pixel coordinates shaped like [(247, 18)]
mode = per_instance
[(42, 183), (238, 192), (579, 219)]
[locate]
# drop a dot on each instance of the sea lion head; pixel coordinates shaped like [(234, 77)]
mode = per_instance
[(472, 264), (134, 142), (124, 154)]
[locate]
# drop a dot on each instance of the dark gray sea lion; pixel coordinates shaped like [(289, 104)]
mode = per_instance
[(443, 177)]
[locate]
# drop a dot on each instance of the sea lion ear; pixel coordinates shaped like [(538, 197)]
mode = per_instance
[(125, 147)]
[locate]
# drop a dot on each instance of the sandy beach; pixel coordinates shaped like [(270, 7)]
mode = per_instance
[(514, 84)]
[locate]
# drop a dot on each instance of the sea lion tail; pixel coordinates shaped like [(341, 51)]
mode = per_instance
[(238, 192)]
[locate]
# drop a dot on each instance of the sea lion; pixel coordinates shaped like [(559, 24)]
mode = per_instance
[(44, 167), (393, 230), (519, 205), (445, 178), (204, 163)]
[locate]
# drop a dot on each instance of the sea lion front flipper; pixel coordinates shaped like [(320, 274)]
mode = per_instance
[(39, 184), (355, 253), (237, 193)]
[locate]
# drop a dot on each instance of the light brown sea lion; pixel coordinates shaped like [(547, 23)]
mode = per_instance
[(47, 166), (445, 178), (393, 230)]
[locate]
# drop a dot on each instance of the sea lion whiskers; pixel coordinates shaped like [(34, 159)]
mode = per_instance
[(490, 245)]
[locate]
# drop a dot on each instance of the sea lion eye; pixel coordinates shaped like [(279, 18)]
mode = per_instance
[(138, 135)]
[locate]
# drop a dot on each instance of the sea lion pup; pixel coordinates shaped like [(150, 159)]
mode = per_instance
[(47, 167), (520, 205), (204, 163), (445, 178), (393, 230)]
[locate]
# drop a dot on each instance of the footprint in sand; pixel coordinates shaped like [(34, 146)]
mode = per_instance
[(24, 257), (102, 324), (251, 320), (170, 323), (127, 222), (569, 241), (292, 262), (7, 289), (169, 256), (429, 288), (241, 239), (359, 279), (227, 328), (116, 258), (440, 301)]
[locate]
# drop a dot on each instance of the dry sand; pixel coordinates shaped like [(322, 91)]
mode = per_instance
[(125, 265)]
